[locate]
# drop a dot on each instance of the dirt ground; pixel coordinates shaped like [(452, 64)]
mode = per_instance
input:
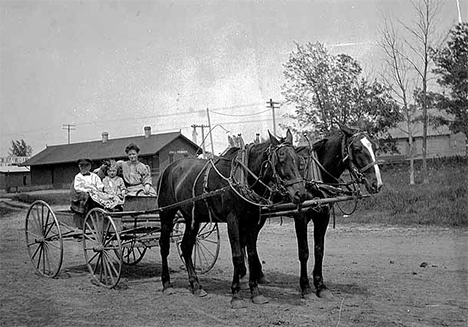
[(374, 273)]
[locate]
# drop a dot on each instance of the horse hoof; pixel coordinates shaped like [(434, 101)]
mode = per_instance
[(325, 294), (200, 292), (260, 299), (263, 280), (238, 304), (168, 291)]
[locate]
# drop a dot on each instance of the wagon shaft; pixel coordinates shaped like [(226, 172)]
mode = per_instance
[(288, 208)]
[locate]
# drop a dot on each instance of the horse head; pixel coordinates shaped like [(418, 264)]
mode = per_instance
[(358, 153), (285, 163)]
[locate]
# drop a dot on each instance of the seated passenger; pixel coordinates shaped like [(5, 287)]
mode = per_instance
[(113, 184), (136, 175), (84, 183), (88, 191)]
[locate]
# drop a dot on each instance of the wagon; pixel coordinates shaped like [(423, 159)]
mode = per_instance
[(110, 240)]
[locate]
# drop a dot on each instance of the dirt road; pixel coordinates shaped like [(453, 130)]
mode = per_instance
[(374, 273)]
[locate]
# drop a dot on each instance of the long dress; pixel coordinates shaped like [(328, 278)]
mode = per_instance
[(136, 176)]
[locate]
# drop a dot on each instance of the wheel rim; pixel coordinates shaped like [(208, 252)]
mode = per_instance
[(206, 248), (44, 239), (132, 253), (102, 248)]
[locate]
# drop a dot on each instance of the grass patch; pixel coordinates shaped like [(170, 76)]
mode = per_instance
[(5, 211), (52, 198), (442, 202)]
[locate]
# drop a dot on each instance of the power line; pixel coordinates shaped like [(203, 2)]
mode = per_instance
[(246, 115)]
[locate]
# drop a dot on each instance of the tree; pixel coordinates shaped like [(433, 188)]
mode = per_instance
[(452, 69), (410, 48), (396, 76), (20, 149), (327, 88)]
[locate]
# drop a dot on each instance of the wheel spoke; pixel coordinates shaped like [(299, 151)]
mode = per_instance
[(40, 256)]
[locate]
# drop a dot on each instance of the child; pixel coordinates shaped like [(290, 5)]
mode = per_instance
[(85, 180), (114, 185), (84, 184)]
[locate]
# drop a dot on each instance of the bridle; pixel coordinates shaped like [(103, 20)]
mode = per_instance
[(277, 185), (348, 157), (273, 159)]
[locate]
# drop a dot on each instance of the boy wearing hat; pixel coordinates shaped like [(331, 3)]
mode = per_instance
[(85, 180), (84, 184)]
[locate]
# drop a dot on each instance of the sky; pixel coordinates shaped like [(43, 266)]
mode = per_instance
[(117, 66)]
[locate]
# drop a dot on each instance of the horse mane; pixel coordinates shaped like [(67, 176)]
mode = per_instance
[(230, 153), (317, 145)]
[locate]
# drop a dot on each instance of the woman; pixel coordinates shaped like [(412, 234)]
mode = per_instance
[(136, 175)]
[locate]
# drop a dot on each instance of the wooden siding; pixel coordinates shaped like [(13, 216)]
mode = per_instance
[(437, 146)]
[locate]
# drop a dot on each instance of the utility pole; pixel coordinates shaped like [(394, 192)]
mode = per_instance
[(210, 131), (273, 106), (69, 127), (194, 126)]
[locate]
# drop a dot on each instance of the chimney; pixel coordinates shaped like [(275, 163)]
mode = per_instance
[(105, 137), (257, 138), (147, 131)]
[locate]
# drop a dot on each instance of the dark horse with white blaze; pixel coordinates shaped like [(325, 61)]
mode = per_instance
[(268, 168), (340, 150)]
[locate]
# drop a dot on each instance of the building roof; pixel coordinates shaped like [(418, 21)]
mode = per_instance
[(13, 169), (98, 150)]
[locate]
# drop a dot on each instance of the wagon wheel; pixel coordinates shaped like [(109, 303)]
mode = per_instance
[(206, 248), (44, 239), (131, 252), (348, 207), (101, 242)]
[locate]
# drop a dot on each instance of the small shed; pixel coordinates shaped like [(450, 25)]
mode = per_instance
[(14, 178)]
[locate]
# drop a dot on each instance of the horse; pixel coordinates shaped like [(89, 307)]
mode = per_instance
[(229, 190), (343, 149)]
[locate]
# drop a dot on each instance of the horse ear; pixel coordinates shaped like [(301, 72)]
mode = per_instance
[(289, 137), (348, 131), (273, 140)]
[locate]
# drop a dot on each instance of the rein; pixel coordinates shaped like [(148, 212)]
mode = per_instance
[(243, 190), (347, 159)]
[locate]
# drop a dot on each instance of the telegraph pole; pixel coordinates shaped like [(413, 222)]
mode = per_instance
[(210, 131), (69, 127), (194, 126), (273, 106)]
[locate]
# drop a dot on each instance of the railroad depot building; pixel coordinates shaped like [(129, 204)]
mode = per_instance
[(55, 167)]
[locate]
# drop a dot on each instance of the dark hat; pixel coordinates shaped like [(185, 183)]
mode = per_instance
[(84, 161)]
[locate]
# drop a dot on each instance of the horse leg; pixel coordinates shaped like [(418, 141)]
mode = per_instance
[(255, 269), (300, 225), (261, 279), (321, 221), (188, 242), (237, 261), (164, 244)]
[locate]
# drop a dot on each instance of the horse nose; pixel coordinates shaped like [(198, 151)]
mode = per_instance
[(377, 187), (299, 197)]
